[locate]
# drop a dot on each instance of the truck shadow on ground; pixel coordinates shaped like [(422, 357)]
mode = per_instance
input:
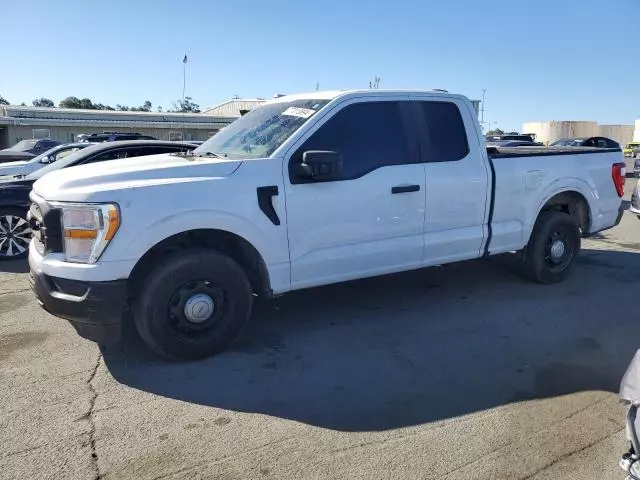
[(413, 348)]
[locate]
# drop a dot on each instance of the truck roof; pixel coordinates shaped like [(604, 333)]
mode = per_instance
[(332, 94)]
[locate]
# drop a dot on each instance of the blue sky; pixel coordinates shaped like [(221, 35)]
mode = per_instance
[(538, 60)]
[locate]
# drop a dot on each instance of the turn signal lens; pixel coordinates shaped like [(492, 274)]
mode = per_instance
[(113, 223), (81, 234)]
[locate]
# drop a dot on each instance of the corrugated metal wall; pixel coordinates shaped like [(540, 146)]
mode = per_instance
[(15, 133)]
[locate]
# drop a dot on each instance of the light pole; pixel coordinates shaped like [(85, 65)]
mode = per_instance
[(184, 77)]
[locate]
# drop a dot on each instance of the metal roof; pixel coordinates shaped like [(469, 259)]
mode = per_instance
[(231, 108), (19, 115)]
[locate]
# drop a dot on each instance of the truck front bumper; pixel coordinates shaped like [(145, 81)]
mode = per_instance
[(93, 308)]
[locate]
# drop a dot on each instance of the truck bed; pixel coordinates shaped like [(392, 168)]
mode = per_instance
[(540, 151)]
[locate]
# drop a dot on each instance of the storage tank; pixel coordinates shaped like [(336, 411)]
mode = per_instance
[(636, 132), (622, 134), (549, 132)]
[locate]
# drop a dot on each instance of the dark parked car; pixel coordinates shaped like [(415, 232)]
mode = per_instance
[(524, 137), (113, 137), (512, 143), (598, 142), (15, 232), (25, 167), (27, 149)]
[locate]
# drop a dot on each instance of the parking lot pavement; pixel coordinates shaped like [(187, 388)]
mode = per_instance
[(463, 371)]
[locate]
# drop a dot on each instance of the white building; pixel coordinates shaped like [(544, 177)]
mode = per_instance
[(549, 132), (63, 124)]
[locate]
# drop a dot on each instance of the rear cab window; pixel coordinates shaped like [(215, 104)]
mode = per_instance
[(443, 134)]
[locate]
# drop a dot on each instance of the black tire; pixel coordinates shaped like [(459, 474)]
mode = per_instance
[(159, 310), (16, 246), (540, 264)]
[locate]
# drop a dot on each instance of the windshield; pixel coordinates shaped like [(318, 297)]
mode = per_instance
[(25, 144), (62, 163), (261, 131)]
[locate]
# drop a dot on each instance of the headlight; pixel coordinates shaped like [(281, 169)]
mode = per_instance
[(87, 229)]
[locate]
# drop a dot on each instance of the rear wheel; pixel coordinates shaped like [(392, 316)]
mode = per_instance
[(193, 305), (15, 233), (553, 248)]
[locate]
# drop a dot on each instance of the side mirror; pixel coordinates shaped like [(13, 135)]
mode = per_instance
[(320, 165), (46, 159)]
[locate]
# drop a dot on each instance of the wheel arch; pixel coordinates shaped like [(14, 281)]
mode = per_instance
[(572, 202), (231, 244)]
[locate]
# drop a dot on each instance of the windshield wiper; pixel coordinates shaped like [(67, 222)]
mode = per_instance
[(211, 154)]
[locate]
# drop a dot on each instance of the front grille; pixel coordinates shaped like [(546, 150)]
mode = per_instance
[(35, 222), (47, 228)]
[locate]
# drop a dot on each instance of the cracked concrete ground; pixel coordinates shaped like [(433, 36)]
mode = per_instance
[(463, 371)]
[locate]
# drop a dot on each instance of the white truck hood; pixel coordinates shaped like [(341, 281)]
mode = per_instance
[(81, 182)]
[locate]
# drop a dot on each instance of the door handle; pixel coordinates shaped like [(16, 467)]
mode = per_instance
[(405, 188)]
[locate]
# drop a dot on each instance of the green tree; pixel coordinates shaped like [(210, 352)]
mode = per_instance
[(495, 131), (185, 106), (3, 101), (122, 108), (70, 102), (145, 107), (43, 102), (100, 106)]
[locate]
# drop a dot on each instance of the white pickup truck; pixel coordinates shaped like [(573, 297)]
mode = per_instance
[(305, 190)]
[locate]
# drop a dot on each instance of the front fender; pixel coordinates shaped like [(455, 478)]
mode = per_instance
[(174, 224)]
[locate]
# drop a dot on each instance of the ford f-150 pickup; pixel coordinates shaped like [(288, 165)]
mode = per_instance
[(304, 190)]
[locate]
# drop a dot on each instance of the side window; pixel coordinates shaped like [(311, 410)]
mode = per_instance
[(138, 152), (108, 155), (369, 135), (446, 135), (63, 153)]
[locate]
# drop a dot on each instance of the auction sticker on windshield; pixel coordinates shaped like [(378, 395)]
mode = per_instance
[(298, 112)]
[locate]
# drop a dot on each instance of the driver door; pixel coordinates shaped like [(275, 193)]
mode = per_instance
[(370, 220)]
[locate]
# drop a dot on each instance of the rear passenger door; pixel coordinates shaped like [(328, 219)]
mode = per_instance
[(456, 177), (370, 220)]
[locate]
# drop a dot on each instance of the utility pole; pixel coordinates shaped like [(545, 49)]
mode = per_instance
[(482, 107), (184, 77), (317, 86)]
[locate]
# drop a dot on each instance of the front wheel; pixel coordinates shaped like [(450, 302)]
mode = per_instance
[(553, 248), (193, 305), (15, 233)]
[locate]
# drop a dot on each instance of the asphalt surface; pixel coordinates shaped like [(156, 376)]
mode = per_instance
[(457, 372)]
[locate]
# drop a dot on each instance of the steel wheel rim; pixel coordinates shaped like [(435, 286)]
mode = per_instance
[(555, 262), (15, 235), (180, 302)]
